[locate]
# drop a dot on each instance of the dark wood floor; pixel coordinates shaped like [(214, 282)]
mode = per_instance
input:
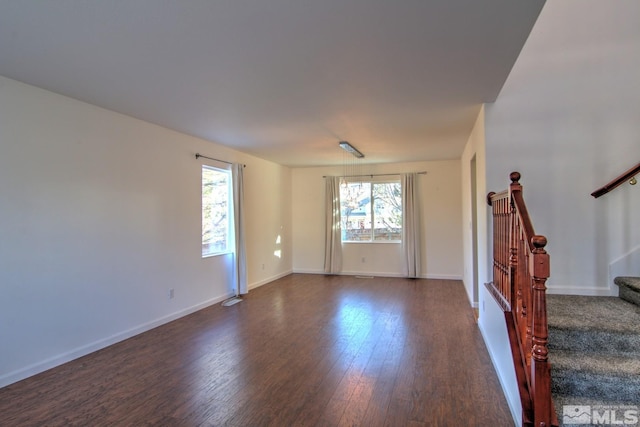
[(305, 350)]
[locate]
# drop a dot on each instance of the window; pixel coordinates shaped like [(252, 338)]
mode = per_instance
[(216, 211), (371, 211)]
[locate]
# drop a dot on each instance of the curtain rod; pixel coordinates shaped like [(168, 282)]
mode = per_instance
[(198, 155), (374, 174)]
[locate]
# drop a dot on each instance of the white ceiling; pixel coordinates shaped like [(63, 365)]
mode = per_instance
[(284, 80)]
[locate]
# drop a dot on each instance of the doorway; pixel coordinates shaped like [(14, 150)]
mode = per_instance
[(474, 229)]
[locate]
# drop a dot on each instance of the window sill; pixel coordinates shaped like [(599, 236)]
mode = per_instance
[(216, 254), (374, 242)]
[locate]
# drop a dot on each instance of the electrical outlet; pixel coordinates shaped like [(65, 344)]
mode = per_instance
[(171, 293), (263, 266), (364, 260)]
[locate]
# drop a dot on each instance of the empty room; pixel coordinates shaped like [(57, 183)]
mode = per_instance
[(276, 213)]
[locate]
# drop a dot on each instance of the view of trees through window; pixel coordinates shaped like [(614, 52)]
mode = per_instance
[(215, 210), (371, 211)]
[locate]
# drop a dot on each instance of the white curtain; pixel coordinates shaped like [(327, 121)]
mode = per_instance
[(411, 224), (333, 237), (240, 255)]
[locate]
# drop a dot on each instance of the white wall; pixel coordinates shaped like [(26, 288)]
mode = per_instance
[(269, 226), (626, 265), (441, 209), (475, 147), (496, 337), (567, 119), (100, 217), (491, 320)]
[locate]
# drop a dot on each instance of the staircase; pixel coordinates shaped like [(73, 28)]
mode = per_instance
[(594, 349)]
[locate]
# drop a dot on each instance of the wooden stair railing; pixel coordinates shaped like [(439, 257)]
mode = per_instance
[(626, 176), (520, 271)]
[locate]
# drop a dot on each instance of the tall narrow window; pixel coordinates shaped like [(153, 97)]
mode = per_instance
[(216, 207), (371, 211)]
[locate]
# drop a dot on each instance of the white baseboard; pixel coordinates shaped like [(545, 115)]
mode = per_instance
[(572, 290), (516, 411), (304, 271), (496, 338), (442, 276), (269, 279), (369, 273), (52, 362), (379, 274)]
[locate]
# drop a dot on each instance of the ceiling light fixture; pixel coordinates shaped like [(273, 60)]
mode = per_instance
[(350, 149)]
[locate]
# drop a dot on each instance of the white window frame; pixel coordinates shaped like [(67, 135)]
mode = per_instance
[(372, 181), (229, 218)]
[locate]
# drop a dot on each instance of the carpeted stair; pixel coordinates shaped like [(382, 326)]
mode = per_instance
[(629, 289), (594, 349)]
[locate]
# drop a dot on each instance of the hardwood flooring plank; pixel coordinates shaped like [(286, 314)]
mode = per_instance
[(304, 350)]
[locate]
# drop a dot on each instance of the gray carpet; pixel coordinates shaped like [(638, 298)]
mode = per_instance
[(629, 289), (594, 349), (604, 325)]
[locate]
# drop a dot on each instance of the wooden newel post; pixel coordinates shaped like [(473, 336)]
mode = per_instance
[(540, 371), (514, 177)]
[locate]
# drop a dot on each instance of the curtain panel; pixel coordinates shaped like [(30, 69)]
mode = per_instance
[(240, 253), (333, 235), (411, 225)]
